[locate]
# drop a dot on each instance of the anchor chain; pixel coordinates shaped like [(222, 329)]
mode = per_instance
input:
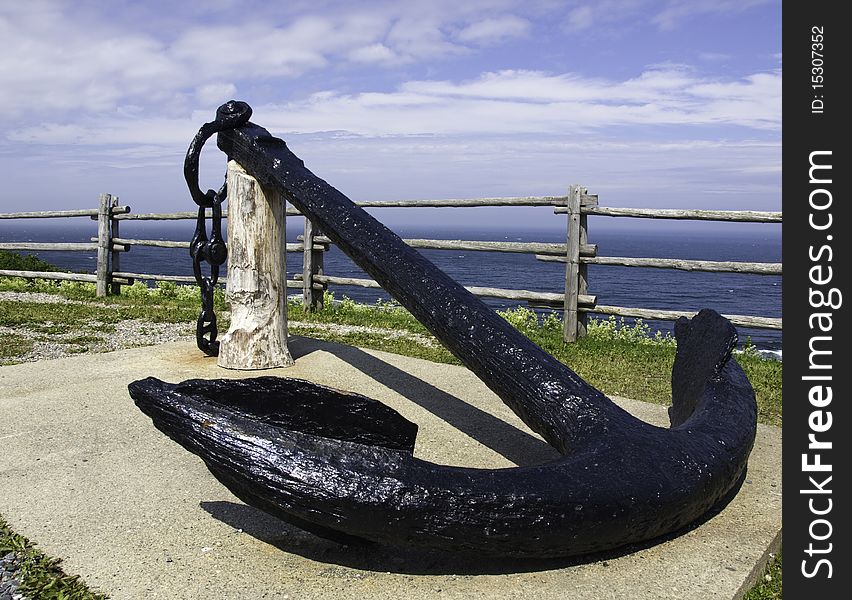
[(212, 250)]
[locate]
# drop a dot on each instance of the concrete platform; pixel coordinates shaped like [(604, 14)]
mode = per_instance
[(85, 475)]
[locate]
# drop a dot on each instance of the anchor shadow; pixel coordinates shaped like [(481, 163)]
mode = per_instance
[(505, 439)]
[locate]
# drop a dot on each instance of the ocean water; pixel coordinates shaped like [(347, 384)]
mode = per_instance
[(728, 293)]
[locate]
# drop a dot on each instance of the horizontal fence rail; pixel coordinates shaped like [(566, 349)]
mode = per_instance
[(128, 242), (741, 216), (51, 214), (539, 248), (576, 253), (709, 266), (673, 315), (483, 292), (439, 203), (466, 202), (60, 246), (59, 275), (131, 277)]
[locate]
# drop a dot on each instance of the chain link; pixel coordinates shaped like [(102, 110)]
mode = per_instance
[(212, 250)]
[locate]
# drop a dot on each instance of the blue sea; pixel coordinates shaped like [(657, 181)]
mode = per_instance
[(729, 293)]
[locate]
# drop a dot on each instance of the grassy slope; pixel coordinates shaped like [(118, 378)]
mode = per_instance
[(617, 359)]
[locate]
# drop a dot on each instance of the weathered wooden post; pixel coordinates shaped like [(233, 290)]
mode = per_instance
[(257, 280), (115, 259), (312, 264), (583, 268), (572, 266), (102, 267)]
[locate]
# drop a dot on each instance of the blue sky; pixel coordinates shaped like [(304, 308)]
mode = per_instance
[(648, 103)]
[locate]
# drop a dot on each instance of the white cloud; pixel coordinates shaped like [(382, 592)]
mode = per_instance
[(374, 53), (126, 89), (91, 70), (494, 30), (99, 67), (534, 102), (676, 12), (505, 102), (665, 15), (114, 131), (419, 38), (215, 94), (580, 18), (55, 59), (253, 49), (588, 16)]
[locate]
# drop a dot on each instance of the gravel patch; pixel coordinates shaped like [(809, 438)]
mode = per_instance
[(133, 333), (127, 334), (10, 564)]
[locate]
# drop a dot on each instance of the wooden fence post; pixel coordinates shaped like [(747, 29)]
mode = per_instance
[(583, 269), (312, 264), (572, 266), (115, 259), (102, 268), (257, 276)]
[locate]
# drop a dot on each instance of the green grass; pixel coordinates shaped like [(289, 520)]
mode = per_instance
[(617, 358), (14, 344), (41, 577), (166, 303), (769, 587), (65, 318)]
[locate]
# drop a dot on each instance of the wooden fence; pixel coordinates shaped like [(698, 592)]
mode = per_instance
[(577, 253)]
